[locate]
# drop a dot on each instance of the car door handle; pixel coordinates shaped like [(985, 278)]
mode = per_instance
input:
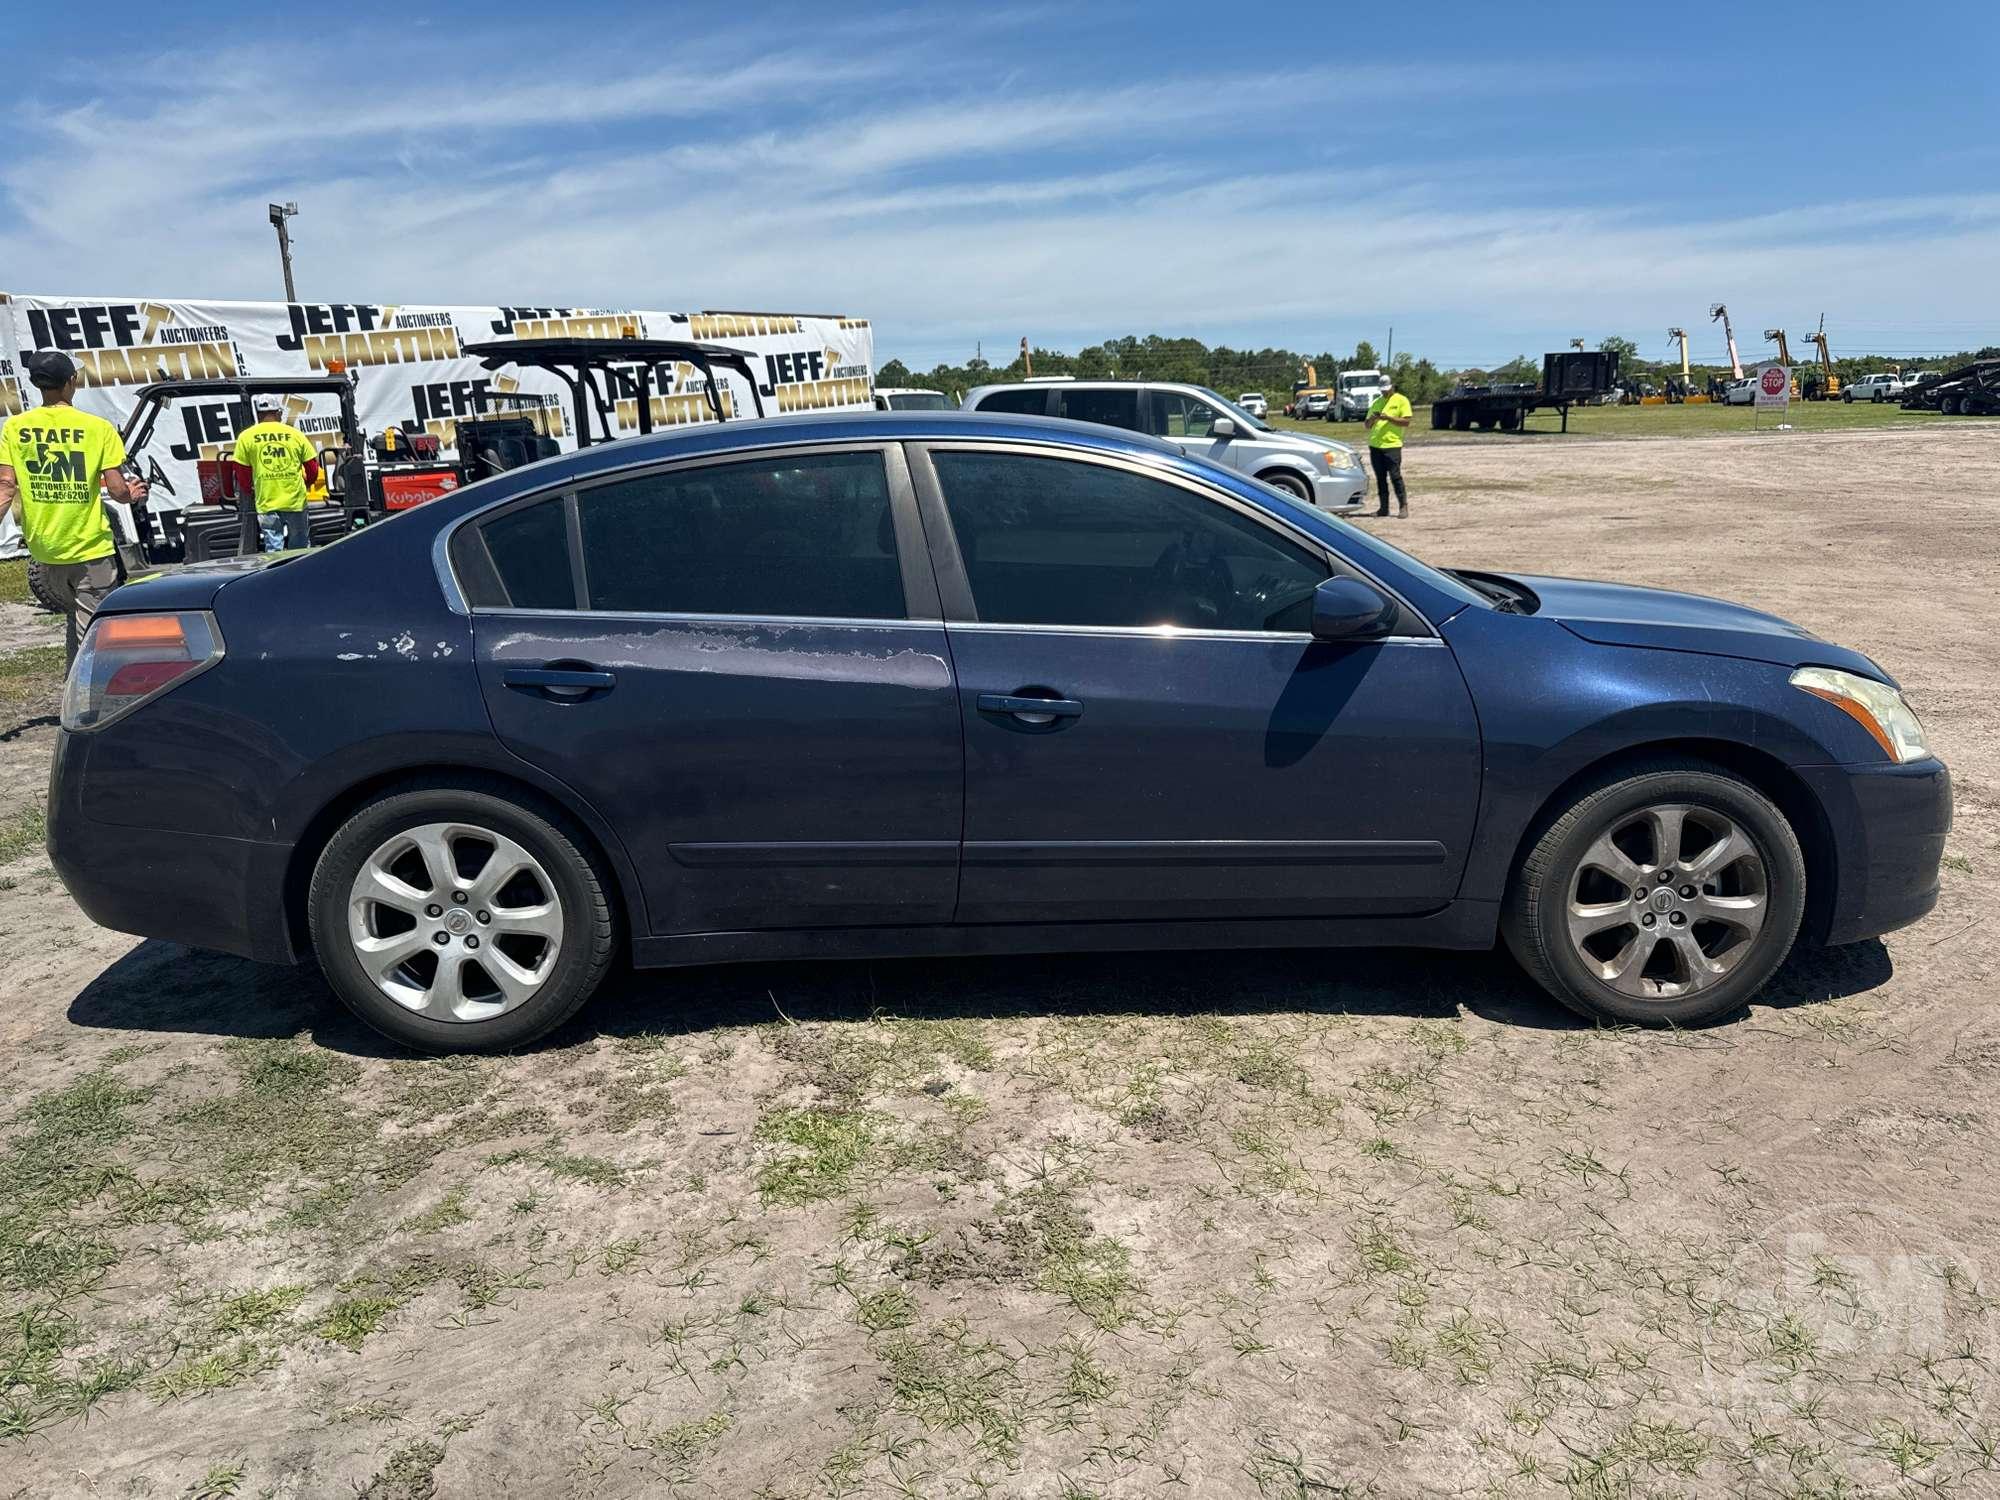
[(1028, 709), (565, 683)]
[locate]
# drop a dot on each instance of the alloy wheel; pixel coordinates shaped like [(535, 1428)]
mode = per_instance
[(455, 922), (1667, 901)]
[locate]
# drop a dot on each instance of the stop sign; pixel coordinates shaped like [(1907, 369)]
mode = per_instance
[(1774, 380)]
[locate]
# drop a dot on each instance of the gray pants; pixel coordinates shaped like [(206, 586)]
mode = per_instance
[(79, 588)]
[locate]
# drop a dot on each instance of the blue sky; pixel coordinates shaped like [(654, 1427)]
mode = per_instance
[(1488, 179)]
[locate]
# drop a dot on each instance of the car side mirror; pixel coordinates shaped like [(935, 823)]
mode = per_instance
[(1346, 609), (1224, 427)]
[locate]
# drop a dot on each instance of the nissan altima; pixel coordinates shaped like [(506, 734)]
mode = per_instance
[(940, 683)]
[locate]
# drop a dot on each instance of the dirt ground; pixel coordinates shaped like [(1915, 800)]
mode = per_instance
[(1291, 1224)]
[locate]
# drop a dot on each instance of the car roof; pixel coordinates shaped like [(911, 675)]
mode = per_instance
[(1070, 382), (906, 390), (749, 434)]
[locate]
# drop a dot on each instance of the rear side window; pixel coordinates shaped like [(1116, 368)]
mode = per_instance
[(530, 552), (1111, 408), (809, 535), (1056, 542), (1033, 402)]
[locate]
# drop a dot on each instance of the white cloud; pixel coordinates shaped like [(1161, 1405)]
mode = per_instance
[(895, 181)]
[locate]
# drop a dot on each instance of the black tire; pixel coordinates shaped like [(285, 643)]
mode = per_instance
[(1290, 483), (1533, 919), (38, 585), (582, 891)]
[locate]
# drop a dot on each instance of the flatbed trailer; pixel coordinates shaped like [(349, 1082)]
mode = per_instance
[(1568, 379)]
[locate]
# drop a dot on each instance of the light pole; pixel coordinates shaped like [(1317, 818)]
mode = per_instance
[(279, 213)]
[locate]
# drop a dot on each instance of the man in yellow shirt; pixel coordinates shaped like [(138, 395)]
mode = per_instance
[(280, 463), (1388, 415), (52, 461)]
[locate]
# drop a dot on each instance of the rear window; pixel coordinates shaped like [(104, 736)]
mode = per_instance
[(1111, 408), (530, 552), (1032, 402), (805, 535)]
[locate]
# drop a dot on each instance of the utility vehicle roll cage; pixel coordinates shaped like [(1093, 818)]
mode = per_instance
[(579, 362)]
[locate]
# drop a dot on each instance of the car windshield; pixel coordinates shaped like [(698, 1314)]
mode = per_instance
[(1230, 408), (922, 401)]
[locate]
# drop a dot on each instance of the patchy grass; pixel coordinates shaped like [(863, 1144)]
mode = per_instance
[(351, 1320), (14, 582), (1683, 421), (23, 830), (32, 678), (820, 1152)]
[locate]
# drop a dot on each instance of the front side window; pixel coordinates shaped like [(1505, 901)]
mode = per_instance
[(1182, 416), (803, 535), (1112, 408), (1054, 542)]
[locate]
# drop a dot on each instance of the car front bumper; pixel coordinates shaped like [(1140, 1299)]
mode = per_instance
[(1341, 489), (1888, 824), (203, 890)]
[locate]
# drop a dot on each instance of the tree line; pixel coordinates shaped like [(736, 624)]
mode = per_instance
[(1273, 371)]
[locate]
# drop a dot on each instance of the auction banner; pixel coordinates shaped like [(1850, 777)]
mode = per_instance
[(409, 366)]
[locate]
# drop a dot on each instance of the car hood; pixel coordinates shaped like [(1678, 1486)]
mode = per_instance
[(1293, 442), (1618, 614)]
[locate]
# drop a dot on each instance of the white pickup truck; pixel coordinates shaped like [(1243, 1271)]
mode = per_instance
[(1875, 388)]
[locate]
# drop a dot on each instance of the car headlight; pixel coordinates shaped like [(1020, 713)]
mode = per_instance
[(1875, 706), (1341, 458)]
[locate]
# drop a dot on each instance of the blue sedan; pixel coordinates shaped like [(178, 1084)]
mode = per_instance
[(937, 683)]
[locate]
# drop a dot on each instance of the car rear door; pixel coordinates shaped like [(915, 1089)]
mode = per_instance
[(739, 662), (1151, 732)]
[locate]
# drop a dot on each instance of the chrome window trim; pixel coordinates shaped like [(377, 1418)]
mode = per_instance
[(666, 618), (1168, 633)]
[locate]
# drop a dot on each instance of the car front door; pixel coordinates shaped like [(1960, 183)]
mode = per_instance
[(1186, 419), (1150, 730), (740, 664)]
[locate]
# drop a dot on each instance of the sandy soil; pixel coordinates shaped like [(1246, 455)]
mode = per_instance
[(1215, 1225)]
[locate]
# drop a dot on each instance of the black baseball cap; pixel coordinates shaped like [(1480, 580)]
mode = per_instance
[(50, 370)]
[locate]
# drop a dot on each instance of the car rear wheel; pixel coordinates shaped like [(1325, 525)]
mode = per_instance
[(460, 920), (1291, 484), (1665, 896)]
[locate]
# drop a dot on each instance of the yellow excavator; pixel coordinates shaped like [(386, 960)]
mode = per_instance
[(1777, 336), (1824, 386), (1681, 392)]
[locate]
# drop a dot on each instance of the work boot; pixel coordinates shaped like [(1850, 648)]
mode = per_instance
[(1383, 511), (1402, 513)]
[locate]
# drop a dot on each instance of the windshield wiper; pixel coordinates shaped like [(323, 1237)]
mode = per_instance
[(1506, 599)]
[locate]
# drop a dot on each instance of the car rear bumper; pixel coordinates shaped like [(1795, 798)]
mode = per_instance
[(1889, 824), (199, 889)]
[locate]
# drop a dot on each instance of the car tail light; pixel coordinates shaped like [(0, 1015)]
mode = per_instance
[(126, 660)]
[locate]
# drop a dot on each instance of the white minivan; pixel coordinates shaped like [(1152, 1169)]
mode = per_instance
[(1317, 471)]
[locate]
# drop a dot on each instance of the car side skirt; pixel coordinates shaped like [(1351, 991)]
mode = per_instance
[(1462, 924)]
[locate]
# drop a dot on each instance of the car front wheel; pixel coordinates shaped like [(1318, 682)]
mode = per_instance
[(1290, 484), (1666, 896), (460, 919)]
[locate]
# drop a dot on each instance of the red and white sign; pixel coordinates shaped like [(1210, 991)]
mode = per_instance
[(1774, 387)]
